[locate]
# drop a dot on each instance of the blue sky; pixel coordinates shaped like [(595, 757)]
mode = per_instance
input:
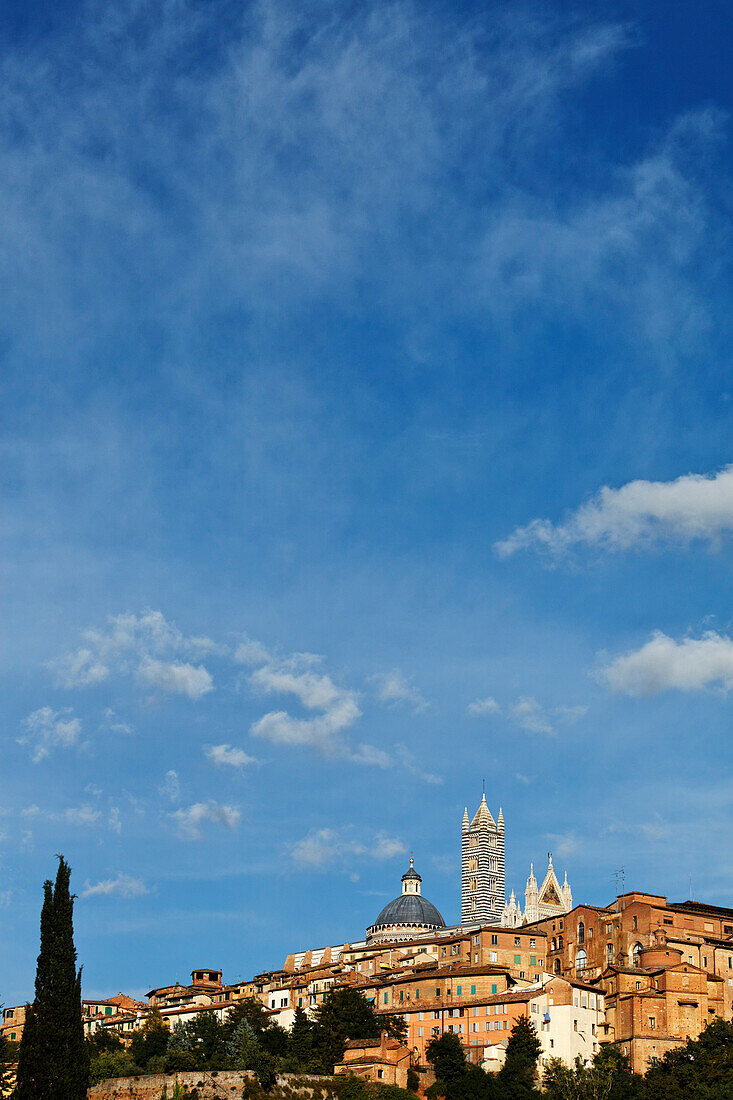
[(367, 421)]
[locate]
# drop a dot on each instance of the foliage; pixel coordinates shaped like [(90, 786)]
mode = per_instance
[(112, 1063), (518, 1075), (447, 1057), (151, 1041), (5, 1060), (302, 1038), (347, 1014), (103, 1039), (54, 1059), (413, 1079), (702, 1069)]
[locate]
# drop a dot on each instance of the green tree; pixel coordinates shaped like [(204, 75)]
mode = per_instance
[(448, 1058), (4, 1064), (517, 1077), (413, 1079), (302, 1037), (347, 1014), (54, 1060), (702, 1069), (151, 1041)]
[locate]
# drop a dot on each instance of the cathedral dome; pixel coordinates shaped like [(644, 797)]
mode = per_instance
[(407, 915), (410, 909)]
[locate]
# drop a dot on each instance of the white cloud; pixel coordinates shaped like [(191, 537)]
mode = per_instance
[(663, 664), (46, 729), (299, 675), (142, 645), (190, 820), (694, 506), (654, 831), (114, 820), (481, 707), (321, 848), (403, 758), (170, 788), (85, 816), (526, 779), (394, 688), (226, 756), (531, 716), (182, 679), (124, 886), (114, 724), (251, 652)]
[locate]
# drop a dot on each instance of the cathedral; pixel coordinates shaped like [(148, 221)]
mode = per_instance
[(483, 890)]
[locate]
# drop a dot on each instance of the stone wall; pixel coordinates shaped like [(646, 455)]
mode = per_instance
[(224, 1085)]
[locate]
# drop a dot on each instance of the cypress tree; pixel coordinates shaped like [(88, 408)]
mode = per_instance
[(53, 1063)]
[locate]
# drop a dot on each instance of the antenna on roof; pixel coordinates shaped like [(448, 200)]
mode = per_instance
[(483, 786)]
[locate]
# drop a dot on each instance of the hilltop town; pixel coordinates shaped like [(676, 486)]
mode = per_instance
[(641, 973)]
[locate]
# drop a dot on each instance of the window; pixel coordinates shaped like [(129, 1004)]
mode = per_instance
[(517, 960), (668, 920), (10, 1014), (522, 974), (473, 990), (634, 923), (728, 929), (609, 929), (533, 943), (495, 940), (581, 960), (559, 943), (493, 989), (417, 994), (402, 997), (421, 1015), (108, 1011), (386, 995), (581, 933), (554, 944), (533, 960), (638, 985), (419, 1032), (575, 1025), (609, 952), (443, 952), (380, 1073), (704, 960), (561, 924), (459, 990), (493, 956), (517, 941), (437, 992)]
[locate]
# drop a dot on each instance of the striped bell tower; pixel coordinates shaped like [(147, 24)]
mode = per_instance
[(483, 894)]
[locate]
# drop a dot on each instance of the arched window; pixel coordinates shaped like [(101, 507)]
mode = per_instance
[(559, 943), (554, 944), (581, 933), (581, 960), (609, 952), (557, 966), (636, 954)]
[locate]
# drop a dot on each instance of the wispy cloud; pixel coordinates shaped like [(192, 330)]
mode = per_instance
[(124, 886), (46, 729), (300, 675), (393, 688), (144, 646), (527, 713), (479, 708), (226, 756), (170, 788), (189, 821), (695, 506), (663, 664), (322, 848)]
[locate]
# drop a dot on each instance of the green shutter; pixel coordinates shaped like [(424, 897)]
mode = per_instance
[(518, 960), (473, 989), (459, 990), (493, 989), (385, 998), (533, 960)]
